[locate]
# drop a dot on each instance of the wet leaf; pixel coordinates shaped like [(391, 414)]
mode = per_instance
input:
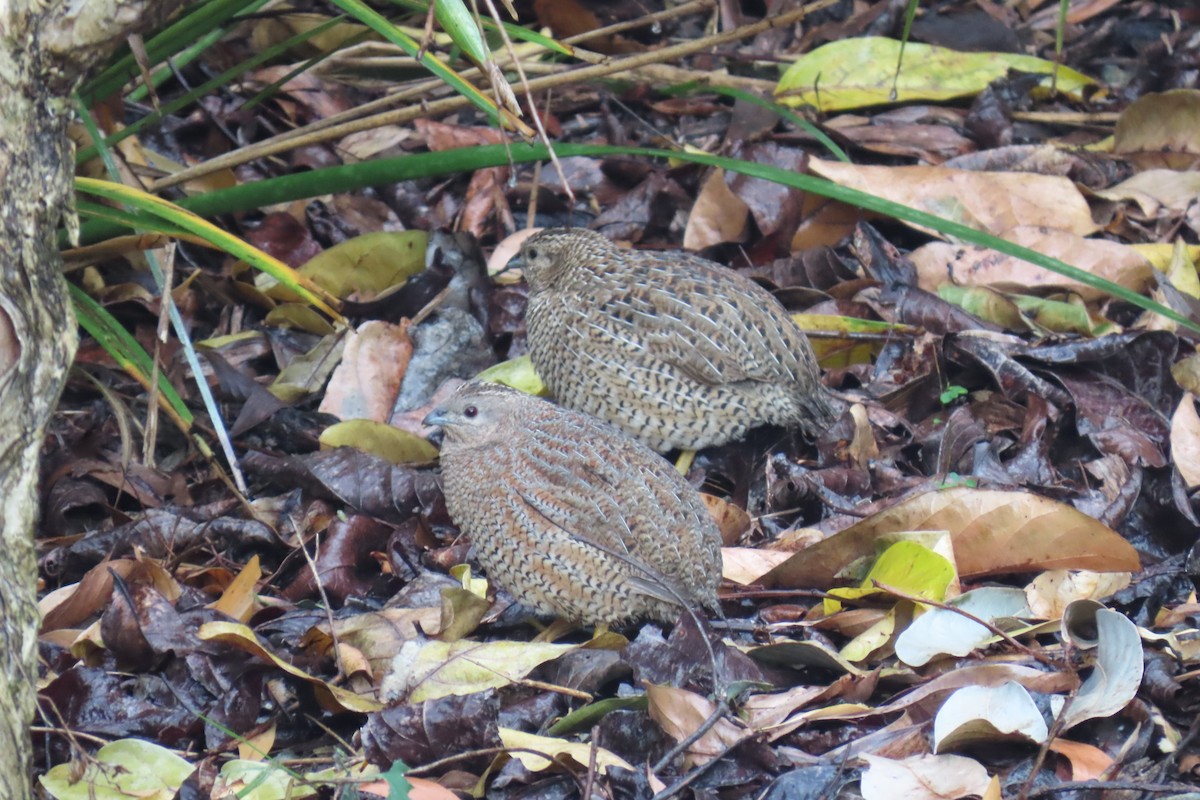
[(121, 770)]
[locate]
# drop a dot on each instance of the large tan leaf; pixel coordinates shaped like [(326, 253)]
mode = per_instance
[(992, 533), (1161, 130), (971, 265), (1185, 440), (994, 202)]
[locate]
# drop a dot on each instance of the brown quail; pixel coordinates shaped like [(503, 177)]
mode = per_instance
[(569, 514), (679, 351)]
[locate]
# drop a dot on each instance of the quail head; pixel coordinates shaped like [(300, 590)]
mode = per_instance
[(569, 514), (679, 351)]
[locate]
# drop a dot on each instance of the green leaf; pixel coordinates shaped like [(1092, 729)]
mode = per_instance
[(858, 72), (951, 394), (398, 785), (517, 373), (127, 769)]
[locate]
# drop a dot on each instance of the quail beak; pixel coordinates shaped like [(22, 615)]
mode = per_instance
[(435, 418), (514, 263)]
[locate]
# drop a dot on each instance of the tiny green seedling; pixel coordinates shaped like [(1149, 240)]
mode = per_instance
[(956, 481), (952, 393)]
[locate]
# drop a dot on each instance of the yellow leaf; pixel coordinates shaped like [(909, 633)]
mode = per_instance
[(861, 71)]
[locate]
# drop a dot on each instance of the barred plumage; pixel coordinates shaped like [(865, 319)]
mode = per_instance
[(679, 351), (571, 515)]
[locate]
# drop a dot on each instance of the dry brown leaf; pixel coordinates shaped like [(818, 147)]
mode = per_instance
[(970, 265), (680, 713), (732, 520), (1185, 440), (718, 215), (70, 605), (992, 533), (366, 382), (988, 201), (1161, 130)]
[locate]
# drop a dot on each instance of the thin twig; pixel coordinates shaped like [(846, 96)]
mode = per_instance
[(903, 595), (694, 775), (533, 112), (591, 773), (1055, 729), (312, 565), (683, 744)]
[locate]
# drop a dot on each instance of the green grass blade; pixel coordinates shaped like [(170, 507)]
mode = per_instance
[(372, 19), (204, 89), (469, 159), (126, 351), (173, 39)]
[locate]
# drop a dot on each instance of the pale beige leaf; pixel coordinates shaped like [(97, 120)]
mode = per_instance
[(745, 565), (994, 202), (1185, 440), (536, 752), (1050, 593), (926, 777), (680, 713), (718, 215), (988, 715), (1115, 677), (938, 262)]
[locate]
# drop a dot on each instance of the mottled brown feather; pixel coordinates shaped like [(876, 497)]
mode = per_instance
[(571, 515), (679, 351)]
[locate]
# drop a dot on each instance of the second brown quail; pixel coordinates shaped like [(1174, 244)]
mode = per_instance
[(679, 351), (569, 514)]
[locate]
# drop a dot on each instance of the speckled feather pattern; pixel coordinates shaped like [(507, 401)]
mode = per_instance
[(679, 351), (572, 516)]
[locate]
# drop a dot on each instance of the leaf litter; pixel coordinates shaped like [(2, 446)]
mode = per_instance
[(979, 581)]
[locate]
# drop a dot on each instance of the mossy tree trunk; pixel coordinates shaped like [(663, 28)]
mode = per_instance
[(46, 47)]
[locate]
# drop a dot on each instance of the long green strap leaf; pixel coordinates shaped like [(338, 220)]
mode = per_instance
[(468, 159)]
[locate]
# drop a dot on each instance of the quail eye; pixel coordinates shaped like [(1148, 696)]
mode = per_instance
[(533, 253), (470, 412)]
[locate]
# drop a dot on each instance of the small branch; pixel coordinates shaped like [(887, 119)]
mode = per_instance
[(1043, 658)]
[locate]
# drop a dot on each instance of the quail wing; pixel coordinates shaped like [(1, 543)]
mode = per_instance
[(715, 326), (611, 508)]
